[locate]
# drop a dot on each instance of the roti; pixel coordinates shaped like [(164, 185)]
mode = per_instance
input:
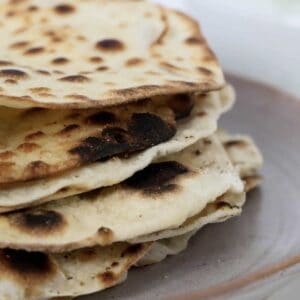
[(83, 54), (35, 275), (192, 124), (181, 184), (93, 269), (242, 152), (177, 240), (36, 143)]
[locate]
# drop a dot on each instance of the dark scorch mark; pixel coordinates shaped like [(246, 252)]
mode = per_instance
[(144, 130), (157, 178)]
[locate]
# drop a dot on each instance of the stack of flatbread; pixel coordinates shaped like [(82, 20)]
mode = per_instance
[(110, 156)]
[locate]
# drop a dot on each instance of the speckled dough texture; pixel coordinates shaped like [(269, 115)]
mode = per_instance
[(39, 276), (182, 184), (41, 142), (88, 270), (192, 123), (88, 53)]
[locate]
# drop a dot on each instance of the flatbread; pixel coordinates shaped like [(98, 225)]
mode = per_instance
[(178, 239), (160, 249), (181, 185), (172, 242), (36, 276), (223, 208), (90, 54), (242, 152), (36, 143), (247, 160), (201, 122), (93, 269)]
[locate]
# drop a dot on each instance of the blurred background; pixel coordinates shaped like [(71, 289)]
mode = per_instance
[(259, 39)]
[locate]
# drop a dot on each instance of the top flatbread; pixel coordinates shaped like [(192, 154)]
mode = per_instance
[(91, 53)]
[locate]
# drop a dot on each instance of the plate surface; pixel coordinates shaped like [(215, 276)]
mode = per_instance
[(252, 256)]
